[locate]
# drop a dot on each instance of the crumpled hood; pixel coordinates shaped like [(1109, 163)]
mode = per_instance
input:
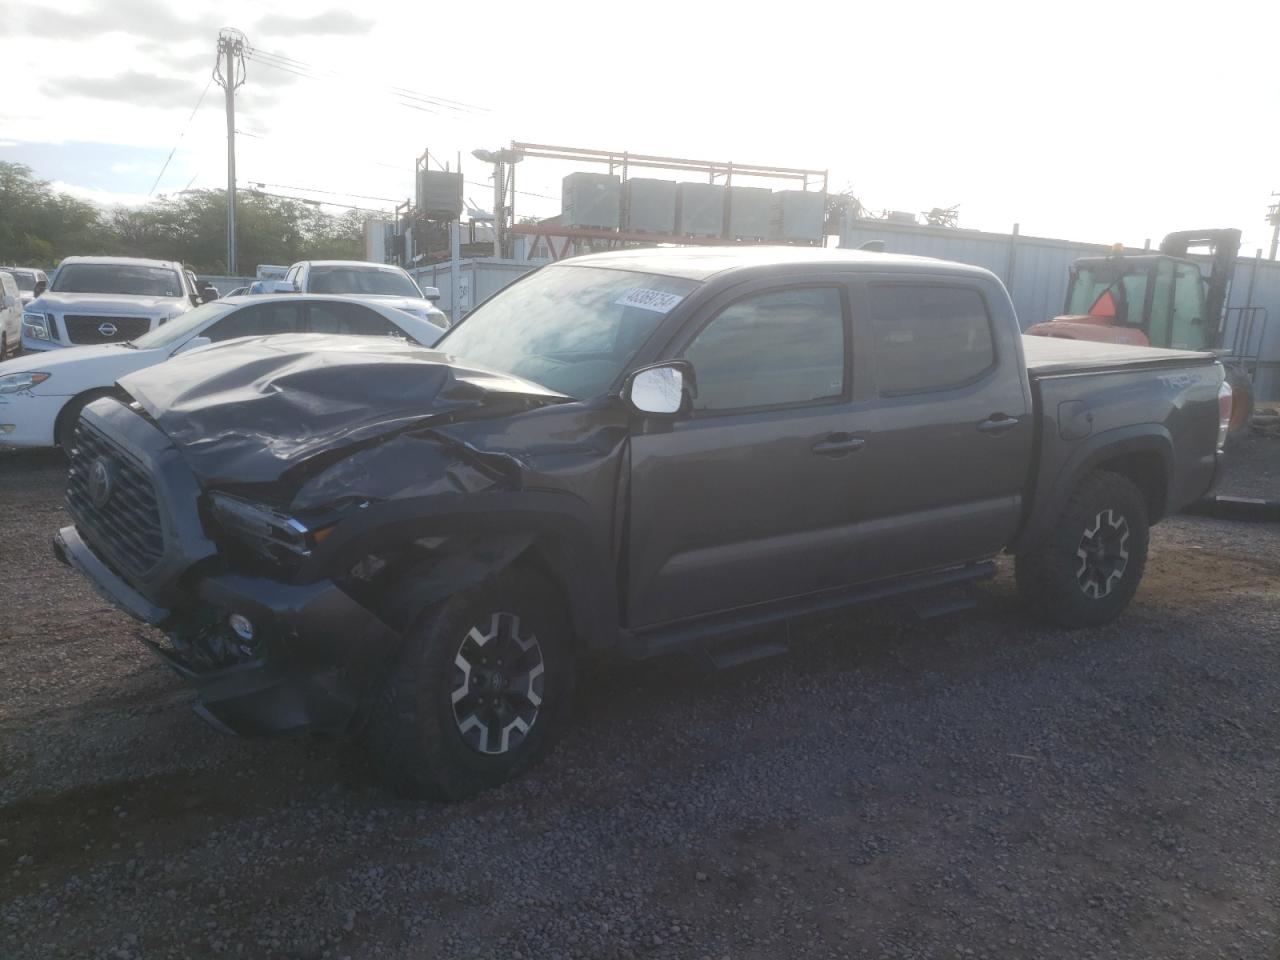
[(250, 410), (112, 303)]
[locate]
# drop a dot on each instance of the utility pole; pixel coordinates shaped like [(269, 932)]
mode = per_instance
[(1273, 218), (229, 72)]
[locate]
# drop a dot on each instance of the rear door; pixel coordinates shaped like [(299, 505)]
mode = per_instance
[(945, 464), (751, 498)]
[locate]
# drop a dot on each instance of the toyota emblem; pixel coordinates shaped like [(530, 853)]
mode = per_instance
[(101, 482), (108, 329)]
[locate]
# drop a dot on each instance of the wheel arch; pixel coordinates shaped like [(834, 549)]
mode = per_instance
[(1143, 454), (483, 536)]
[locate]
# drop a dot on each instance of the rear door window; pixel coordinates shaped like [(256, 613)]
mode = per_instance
[(350, 319), (260, 320), (928, 336)]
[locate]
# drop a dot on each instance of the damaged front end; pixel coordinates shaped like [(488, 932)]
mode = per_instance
[(283, 586)]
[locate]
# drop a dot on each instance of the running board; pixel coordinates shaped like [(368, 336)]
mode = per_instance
[(731, 653), (705, 631), (944, 604)]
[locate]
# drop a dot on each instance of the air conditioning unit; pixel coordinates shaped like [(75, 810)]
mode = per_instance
[(591, 200), (651, 205), (700, 210), (749, 212), (798, 215)]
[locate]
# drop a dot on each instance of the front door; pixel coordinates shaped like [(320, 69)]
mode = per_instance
[(752, 497)]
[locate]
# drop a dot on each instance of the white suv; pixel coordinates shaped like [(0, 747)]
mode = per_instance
[(106, 300), (383, 282)]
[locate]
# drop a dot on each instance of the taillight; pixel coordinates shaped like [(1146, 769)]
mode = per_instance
[(1224, 412)]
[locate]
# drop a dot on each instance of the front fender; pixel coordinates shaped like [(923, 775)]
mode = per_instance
[(484, 533)]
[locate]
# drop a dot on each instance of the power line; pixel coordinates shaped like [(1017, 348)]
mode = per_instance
[(185, 126), (329, 193), (405, 96), (295, 64)]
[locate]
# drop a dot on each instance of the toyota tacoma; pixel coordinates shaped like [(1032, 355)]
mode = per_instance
[(633, 453)]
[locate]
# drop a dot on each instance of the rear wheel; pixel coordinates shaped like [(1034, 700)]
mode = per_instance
[(1086, 570), (480, 691)]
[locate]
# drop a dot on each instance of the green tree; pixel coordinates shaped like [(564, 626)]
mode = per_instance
[(40, 226)]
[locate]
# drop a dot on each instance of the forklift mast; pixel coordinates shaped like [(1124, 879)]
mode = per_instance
[(1225, 248)]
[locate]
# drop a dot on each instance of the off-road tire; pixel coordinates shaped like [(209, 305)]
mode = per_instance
[(1055, 580), (413, 734)]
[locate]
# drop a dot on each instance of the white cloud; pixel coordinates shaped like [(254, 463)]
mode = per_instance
[(98, 197)]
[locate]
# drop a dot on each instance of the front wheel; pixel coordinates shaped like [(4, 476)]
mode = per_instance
[(481, 690), (1086, 570)]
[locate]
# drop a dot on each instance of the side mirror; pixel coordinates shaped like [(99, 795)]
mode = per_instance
[(40, 287), (193, 344), (208, 293), (431, 293), (662, 390)]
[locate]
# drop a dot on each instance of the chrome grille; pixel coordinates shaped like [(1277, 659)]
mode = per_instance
[(124, 528), (83, 328)]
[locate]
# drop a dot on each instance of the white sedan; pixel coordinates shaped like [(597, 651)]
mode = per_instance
[(41, 395)]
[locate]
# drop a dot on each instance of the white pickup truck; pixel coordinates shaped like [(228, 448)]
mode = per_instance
[(106, 300)]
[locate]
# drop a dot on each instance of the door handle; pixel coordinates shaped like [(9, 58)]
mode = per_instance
[(997, 424), (837, 445)]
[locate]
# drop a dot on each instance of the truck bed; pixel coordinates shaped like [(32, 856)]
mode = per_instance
[(1055, 356)]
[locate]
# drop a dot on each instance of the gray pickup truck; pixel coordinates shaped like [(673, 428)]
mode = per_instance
[(636, 452)]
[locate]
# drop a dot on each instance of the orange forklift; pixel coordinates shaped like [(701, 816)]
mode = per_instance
[(1162, 300)]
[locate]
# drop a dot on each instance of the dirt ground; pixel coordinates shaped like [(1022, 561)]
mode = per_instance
[(969, 786)]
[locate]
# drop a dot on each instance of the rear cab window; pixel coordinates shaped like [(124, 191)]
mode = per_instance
[(928, 336)]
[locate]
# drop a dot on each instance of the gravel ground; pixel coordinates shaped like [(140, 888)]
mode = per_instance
[(970, 786)]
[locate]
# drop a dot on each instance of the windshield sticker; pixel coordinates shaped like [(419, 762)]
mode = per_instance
[(654, 300)]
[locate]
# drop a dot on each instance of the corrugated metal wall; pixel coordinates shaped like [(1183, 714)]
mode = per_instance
[(1035, 270)]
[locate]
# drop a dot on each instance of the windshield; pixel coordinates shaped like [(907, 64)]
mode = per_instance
[(120, 278), (25, 279), (366, 280), (180, 328), (571, 329)]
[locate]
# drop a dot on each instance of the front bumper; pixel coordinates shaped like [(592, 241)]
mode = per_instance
[(316, 653), (28, 419)]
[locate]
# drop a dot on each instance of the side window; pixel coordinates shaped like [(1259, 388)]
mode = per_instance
[(260, 320), (1190, 327), (928, 337), (293, 274), (769, 349), (350, 319)]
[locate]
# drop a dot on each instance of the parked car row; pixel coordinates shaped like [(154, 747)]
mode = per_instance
[(122, 314), (42, 393)]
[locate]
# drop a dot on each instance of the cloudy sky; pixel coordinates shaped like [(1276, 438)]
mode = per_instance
[(1093, 121)]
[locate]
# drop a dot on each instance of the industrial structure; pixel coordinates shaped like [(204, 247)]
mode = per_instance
[(609, 208)]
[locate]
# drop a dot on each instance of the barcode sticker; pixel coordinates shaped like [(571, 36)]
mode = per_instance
[(654, 300)]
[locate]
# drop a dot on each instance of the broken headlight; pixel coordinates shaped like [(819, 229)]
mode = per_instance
[(264, 529)]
